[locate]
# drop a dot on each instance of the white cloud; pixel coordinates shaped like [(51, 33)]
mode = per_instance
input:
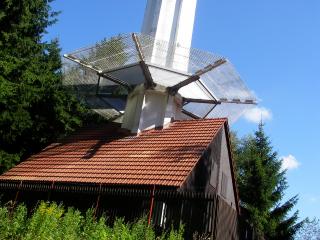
[(289, 162), (257, 114)]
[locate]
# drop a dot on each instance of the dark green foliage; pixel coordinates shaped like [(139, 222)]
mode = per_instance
[(12, 224), (261, 184), (310, 230), (34, 107), (52, 221)]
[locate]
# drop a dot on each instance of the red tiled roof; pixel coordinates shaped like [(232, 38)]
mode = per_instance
[(103, 155)]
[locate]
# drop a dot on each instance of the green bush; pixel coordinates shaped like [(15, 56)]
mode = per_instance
[(13, 223), (53, 221)]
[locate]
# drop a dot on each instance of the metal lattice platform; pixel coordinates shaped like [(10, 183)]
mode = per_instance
[(103, 74)]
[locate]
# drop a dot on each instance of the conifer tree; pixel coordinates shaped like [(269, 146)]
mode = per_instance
[(261, 184), (34, 107), (310, 230)]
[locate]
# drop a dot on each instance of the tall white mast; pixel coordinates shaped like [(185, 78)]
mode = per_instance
[(165, 78), (171, 21)]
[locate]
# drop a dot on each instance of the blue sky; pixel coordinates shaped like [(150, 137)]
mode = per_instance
[(273, 44)]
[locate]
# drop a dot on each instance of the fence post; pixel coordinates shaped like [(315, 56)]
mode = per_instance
[(50, 190), (216, 217), (151, 205), (98, 201)]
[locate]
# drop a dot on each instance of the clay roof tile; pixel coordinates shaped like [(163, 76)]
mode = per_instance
[(104, 154)]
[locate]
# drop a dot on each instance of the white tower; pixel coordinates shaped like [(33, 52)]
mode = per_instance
[(171, 21), (165, 79)]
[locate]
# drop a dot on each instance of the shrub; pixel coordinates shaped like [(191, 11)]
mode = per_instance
[(13, 223), (53, 221)]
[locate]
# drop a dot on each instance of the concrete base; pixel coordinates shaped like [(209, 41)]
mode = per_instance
[(151, 108)]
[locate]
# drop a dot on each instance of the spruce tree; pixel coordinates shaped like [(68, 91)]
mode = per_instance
[(34, 107), (310, 230), (261, 184)]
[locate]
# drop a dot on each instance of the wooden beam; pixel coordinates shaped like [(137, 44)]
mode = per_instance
[(237, 101), (221, 100), (82, 63), (138, 46), (211, 66), (99, 72), (149, 81), (195, 100), (197, 75), (190, 114)]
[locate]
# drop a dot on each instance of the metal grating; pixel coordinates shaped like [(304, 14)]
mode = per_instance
[(121, 58)]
